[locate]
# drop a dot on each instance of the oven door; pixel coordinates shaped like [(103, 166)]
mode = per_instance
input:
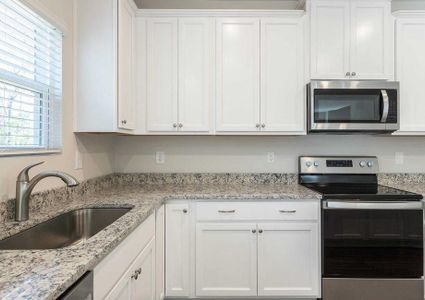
[(353, 106), (372, 240)]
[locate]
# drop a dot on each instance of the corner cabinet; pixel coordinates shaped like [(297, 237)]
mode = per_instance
[(128, 272), (243, 249), (104, 46), (351, 39), (260, 74), (179, 66), (410, 66)]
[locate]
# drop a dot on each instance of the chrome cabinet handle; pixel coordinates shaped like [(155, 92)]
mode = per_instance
[(386, 101), (180, 125), (136, 274), (354, 74), (227, 211), (185, 211), (260, 231), (347, 74), (175, 125), (263, 125), (258, 125), (288, 211), (254, 231), (124, 121)]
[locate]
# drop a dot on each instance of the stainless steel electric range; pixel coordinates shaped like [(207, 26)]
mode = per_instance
[(372, 235)]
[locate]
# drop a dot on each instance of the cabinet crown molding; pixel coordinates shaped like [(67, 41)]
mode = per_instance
[(217, 13), (409, 13)]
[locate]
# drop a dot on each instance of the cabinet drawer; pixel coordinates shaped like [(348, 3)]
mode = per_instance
[(242, 211), (290, 210)]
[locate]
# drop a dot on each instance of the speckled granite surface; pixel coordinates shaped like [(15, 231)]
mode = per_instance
[(45, 274)]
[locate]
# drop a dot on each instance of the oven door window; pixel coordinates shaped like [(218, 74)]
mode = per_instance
[(347, 106), (373, 243)]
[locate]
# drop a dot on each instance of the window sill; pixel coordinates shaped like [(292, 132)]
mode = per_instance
[(32, 152)]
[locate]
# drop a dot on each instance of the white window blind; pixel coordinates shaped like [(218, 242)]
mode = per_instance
[(30, 80)]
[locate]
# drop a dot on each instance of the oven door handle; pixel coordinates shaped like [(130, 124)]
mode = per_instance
[(386, 102), (337, 204)]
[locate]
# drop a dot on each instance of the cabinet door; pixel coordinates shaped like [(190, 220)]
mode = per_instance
[(143, 284), (282, 75), (410, 72), (226, 260), (371, 54), (177, 241), (140, 286), (330, 39), (194, 74), (288, 260), (238, 74), (160, 252), (162, 74), (126, 103)]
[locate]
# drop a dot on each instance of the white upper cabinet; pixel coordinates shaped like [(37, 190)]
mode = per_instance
[(372, 40), (260, 75), (410, 66), (351, 39), (179, 83), (126, 101), (238, 74), (104, 91), (282, 75), (330, 39), (195, 85), (162, 59)]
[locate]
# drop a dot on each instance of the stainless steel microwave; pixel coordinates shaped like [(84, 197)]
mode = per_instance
[(353, 106)]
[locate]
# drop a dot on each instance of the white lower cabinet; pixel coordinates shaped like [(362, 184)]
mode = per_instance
[(288, 259), (129, 271), (138, 282), (177, 255), (226, 259), (243, 249)]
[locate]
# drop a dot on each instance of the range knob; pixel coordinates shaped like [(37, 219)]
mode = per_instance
[(316, 164), (370, 164), (362, 164), (308, 164)]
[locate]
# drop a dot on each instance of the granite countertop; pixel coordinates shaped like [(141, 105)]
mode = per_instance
[(46, 274)]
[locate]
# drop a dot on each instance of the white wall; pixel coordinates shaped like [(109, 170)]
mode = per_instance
[(96, 149), (248, 154)]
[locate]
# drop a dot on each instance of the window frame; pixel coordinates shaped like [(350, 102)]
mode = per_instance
[(10, 78)]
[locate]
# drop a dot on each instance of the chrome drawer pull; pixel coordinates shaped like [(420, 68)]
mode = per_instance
[(227, 211), (288, 211)]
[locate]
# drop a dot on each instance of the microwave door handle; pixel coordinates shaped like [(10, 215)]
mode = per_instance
[(386, 102)]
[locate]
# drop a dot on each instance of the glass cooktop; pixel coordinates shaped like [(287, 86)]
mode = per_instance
[(362, 192)]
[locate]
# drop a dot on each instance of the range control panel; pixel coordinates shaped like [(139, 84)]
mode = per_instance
[(338, 165)]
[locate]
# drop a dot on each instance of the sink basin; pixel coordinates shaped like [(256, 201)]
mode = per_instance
[(64, 230)]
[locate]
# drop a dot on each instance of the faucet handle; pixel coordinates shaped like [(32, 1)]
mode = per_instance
[(23, 175)]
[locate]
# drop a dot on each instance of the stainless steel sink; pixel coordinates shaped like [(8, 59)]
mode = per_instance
[(64, 230)]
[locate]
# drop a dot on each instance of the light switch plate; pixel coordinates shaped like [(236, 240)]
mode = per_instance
[(399, 158), (160, 157), (270, 157)]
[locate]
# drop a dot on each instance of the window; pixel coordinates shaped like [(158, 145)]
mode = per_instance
[(30, 81)]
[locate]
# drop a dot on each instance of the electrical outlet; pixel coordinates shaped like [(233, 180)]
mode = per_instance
[(160, 157), (270, 157), (399, 158), (78, 160)]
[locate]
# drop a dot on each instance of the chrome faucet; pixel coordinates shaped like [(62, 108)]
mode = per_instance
[(24, 187)]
